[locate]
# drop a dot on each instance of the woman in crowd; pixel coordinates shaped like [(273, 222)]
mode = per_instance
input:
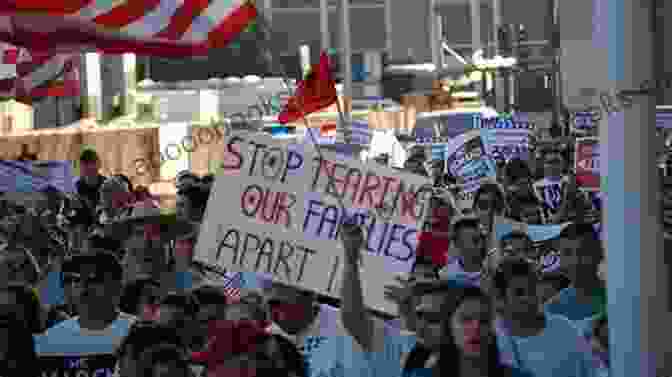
[(141, 337), (469, 346), (140, 298), (489, 202), (165, 360), (246, 349)]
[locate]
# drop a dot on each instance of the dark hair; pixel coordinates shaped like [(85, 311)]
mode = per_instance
[(131, 293), (436, 287), (559, 281), (103, 261), (515, 235), (257, 312), (517, 169), (164, 354), (465, 223), (291, 357), (144, 335), (198, 196), (208, 179), (88, 155), (576, 231), (126, 180), (507, 270), (26, 297), (586, 234), (184, 301), (491, 188), (425, 261), (419, 353), (22, 349), (449, 361), (210, 295)]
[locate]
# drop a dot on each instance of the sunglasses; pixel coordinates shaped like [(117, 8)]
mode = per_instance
[(71, 278)]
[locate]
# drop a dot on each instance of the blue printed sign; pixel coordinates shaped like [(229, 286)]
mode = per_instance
[(34, 176)]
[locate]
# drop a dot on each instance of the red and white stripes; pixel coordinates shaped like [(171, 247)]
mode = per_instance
[(30, 74), (171, 28)]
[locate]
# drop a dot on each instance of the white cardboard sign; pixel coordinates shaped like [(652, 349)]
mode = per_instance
[(272, 211)]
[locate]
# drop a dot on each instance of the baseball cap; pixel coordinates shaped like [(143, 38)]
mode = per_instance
[(88, 155)]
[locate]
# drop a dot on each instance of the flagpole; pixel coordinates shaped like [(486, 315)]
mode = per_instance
[(346, 62), (265, 27)]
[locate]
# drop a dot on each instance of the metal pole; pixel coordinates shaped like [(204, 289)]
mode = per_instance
[(435, 34), (497, 22), (324, 25), (476, 41), (638, 270), (346, 62)]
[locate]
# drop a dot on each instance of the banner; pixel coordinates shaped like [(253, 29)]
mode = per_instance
[(507, 138), (468, 161), (280, 215), (78, 366), (587, 163), (32, 176)]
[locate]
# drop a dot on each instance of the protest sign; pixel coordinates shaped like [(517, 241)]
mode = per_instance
[(587, 163), (272, 211), (468, 161), (507, 138), (78, 366), (33, 176), (550, 191), (586, 120)]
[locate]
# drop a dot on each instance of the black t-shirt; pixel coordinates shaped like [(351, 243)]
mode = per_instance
[(91, 193)]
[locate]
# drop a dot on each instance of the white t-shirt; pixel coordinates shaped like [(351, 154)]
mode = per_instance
[(68, 338), (330, 351), (557, 351), (66, 349)]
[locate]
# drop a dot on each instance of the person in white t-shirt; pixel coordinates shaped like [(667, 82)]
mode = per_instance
[(296, 315), (100, 327), (529, 339), (470, 243), (374, 349)]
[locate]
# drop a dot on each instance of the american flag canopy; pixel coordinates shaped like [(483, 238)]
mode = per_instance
[(170, 28), (26, 74)]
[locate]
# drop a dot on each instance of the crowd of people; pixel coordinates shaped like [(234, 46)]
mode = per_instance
[(104, 274)]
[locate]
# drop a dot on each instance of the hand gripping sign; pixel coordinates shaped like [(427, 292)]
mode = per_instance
[(275, 209)]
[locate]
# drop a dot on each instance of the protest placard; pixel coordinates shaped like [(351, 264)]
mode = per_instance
[(33, 176), (468, 161), (272, 211), (587, 163), (507, 138)]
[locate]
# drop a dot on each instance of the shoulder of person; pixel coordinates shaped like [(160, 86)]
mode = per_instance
[(557, 299), (515, 372)]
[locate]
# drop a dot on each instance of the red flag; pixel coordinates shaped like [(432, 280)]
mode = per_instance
[(315, 92), (148, 27), (26, 75)]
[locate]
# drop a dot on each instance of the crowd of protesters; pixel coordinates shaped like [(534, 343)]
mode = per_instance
[(105, 272)]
